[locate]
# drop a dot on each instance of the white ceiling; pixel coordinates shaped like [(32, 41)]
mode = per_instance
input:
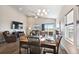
[(53, 11)]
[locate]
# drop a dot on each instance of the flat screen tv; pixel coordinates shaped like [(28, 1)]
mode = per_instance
[(16, 25)]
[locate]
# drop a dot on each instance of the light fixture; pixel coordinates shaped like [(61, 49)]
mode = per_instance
[(44, 10), (38, 13), (45, 13), (29, 28), (20, 9), (41, 12)]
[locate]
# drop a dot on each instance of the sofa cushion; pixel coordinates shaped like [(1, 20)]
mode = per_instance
[(1, 37)]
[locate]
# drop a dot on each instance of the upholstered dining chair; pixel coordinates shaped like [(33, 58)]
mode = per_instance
[(34, 44), (23, 43)]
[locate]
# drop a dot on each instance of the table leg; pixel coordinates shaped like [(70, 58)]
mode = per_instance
[(19, 48)]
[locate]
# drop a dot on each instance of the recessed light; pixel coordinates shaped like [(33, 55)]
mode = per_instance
[(45, 13), (39, 10), (20, 9), (44, 10), (38, 13)]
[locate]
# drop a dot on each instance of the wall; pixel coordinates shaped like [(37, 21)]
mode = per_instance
[(7, 15), (45, 20), (32, 21), (70, 48)]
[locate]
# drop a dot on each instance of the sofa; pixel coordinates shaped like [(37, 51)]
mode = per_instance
[(9, 37)]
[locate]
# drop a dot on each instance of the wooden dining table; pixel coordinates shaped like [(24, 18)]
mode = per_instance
[(49, 44), (45, 44)]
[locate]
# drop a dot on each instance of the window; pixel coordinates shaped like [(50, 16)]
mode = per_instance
[(49, 27), (70, 17), (69, 27)]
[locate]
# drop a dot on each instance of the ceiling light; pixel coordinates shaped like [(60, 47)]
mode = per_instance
[(39, 10), (29, 28), (38, 13), (45, 13), (20, 9), (44, 10)]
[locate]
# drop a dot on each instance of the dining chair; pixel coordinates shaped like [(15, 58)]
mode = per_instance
[(23, 43), (58, 44), (34, 44)]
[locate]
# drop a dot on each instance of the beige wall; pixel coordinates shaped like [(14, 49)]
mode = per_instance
[(45, 20), (67, 45), (32, 21), (7, 15)]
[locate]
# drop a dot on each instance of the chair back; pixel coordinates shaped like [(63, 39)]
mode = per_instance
[(5, 33), (58, 40), (34, 41), (23, 37), (21, 34), (34, 44)]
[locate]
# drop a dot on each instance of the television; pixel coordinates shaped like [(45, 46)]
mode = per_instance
[(16, 25)]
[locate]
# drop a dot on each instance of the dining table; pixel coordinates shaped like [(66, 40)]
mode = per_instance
[(43, 43)]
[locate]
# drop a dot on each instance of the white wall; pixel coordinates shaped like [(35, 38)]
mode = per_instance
[(45, 20), (7, 15), (67, 45), (31, 21)]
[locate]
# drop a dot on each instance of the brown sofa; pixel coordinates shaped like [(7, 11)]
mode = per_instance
[(9, 37)]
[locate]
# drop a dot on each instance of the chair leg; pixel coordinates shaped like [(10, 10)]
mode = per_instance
[(54, 50), (27, 51), (44, 52), (19, 50)]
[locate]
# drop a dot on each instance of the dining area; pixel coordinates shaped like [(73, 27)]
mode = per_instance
[(39, 44)]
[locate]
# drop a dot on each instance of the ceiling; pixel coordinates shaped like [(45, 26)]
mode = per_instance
[(51, 11)]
